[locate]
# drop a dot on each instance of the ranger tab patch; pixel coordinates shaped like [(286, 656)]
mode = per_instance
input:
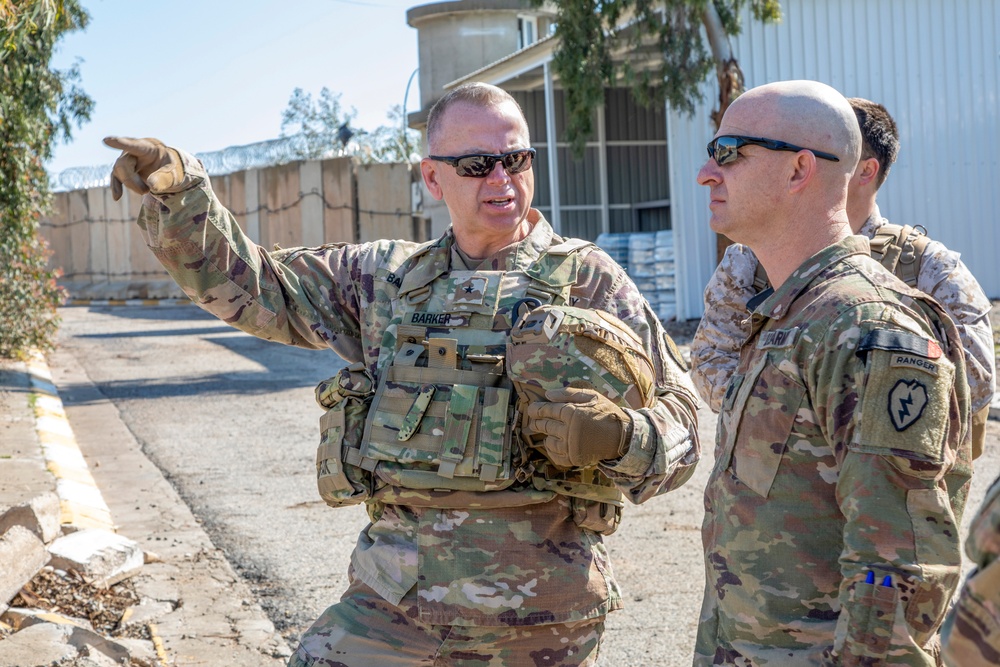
[(913, 361), (907, 401)]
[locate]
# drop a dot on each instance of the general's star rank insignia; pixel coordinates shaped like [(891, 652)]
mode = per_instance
[(906, 403)]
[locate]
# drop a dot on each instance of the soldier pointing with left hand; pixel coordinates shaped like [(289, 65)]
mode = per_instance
[(506, 388)]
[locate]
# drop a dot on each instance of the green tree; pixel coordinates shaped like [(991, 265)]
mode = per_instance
[(390, 143), (316, 123), (38, 107), (322, 128), (655, 47)]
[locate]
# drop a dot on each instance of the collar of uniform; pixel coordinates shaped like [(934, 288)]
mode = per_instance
[(522, 254), (460, 262), (436, 258), (778, 304), (872, 224), (428, 263)]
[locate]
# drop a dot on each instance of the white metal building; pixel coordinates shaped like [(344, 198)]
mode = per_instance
[(934, 64)]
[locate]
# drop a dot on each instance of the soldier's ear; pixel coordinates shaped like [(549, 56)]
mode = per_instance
[(801, 171), (429, 170), (867, 171)]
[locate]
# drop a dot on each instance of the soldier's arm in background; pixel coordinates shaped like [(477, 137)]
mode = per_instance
[(313, 298), (664, 447), (897, 432), (945, 277), (715, 349), (971, 636)]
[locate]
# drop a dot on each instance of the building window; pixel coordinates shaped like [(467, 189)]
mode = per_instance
[(527, 30)]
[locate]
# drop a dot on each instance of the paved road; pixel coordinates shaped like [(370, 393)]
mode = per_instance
[(231, 422)]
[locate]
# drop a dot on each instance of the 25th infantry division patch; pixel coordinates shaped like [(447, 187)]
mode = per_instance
[(907, 401)]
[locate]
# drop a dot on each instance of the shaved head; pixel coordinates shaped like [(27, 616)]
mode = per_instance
[(785, 200), (806, 113)]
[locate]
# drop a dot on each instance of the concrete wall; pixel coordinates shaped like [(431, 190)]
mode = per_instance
[(102, 255)]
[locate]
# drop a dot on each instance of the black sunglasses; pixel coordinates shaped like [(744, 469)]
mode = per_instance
[(724, 149), (479, 165)]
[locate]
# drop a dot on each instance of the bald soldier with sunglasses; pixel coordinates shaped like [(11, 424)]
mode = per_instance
[(486, 554), (920, 262), (843, 452)]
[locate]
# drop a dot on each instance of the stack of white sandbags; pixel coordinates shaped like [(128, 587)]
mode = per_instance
[(648, 259)]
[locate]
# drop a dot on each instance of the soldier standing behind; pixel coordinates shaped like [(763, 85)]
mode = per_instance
[(927, 265), (971, 635), (485, 542), (842, 454)]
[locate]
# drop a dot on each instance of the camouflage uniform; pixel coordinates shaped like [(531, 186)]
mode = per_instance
[(972, 632), (503, 560), (716, 345), (842, 450)]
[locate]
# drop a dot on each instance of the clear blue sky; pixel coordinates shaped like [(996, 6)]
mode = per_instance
[(206, 74)]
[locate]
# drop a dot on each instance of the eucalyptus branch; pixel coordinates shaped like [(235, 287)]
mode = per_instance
[(657, 48)]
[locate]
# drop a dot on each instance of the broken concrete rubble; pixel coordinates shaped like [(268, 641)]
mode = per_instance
[(40, 515), (23, 555), (54, 641), (71, 620), (103, 558)]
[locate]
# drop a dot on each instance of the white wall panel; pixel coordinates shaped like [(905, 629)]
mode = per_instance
[(934, 64)]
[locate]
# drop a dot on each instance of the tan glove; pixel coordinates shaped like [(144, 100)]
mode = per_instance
[(581, 427), (144, 165)]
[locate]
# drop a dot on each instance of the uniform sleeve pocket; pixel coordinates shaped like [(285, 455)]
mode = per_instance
[(765, 425), (872, 616)]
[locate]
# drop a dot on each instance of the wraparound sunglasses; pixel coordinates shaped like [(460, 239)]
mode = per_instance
[(724, 149), (480, 165)]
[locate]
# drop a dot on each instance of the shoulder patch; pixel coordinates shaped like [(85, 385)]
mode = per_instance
[(899, 341), (675, 352), (907, 401), (568, 246)]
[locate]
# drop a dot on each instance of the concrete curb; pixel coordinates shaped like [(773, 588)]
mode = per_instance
[(81, 503), (206, 614)]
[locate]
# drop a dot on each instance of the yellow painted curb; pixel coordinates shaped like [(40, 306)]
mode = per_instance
[(79, 497), (80, 501)]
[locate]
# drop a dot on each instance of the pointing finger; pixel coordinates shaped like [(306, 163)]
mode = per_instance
[(140, 147)]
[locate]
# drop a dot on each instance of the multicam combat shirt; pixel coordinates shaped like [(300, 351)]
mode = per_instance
[(475, 564), (832, 514), (972, 633), (715, 350)]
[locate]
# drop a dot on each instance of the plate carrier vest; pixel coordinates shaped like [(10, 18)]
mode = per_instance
[(899, 248), (443, 416)]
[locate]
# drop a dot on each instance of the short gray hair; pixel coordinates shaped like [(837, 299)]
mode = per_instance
[(476, 93)]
